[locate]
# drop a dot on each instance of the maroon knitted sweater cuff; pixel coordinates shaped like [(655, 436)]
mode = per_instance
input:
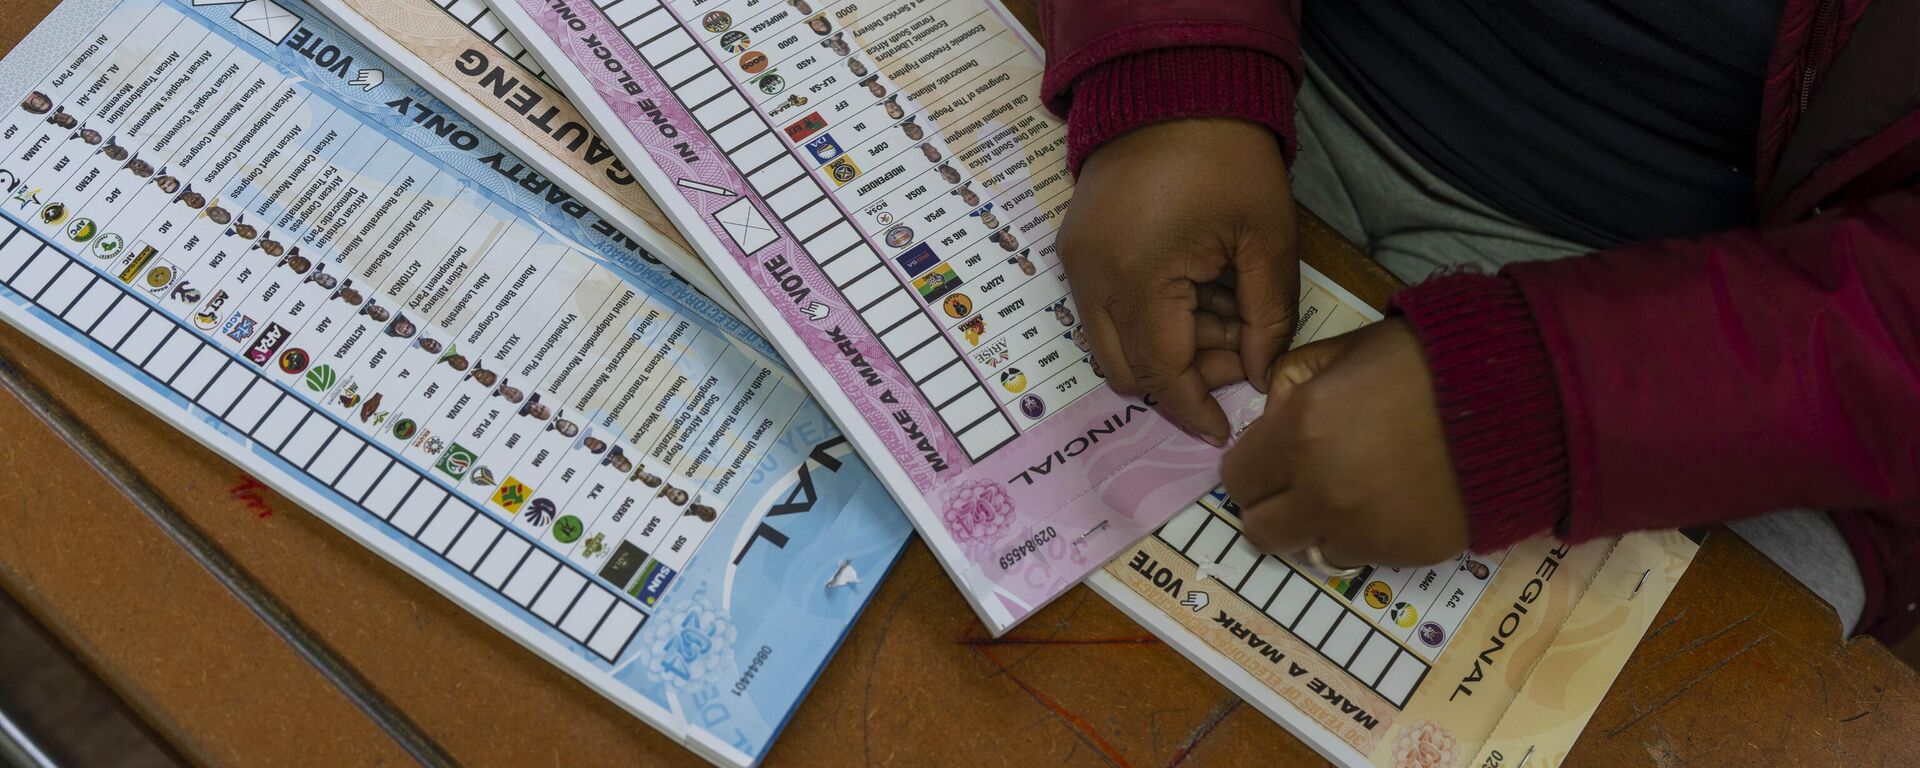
[(1495, 388), (1126, 92)]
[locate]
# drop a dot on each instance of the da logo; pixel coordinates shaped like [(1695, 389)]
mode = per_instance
[(824, 148), (1379, 595), (321, 379), (82, 229), (456, 461), (567, 529), (843, 170), (293, 361), (512, 495)]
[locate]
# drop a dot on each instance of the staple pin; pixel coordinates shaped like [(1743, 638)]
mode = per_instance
[(1524, 758), (1643, 582), (1090, 532)]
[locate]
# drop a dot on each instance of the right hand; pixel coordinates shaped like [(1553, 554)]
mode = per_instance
[(1179, 246)]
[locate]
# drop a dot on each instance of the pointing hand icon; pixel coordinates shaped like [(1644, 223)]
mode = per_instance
[(368, 79), (1196, 600)]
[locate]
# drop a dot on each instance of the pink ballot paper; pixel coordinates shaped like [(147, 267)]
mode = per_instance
[(881, 186)]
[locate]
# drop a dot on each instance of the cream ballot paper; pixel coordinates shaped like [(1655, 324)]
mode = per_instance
[(270, 237), (881, 186)]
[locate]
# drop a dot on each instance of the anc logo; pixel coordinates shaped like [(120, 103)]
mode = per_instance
[(512, 495), (456, 461)]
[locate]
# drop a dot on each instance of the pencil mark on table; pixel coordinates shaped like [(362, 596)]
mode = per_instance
[(906, 590), (1675, 619), (1704, 639), (1688, 685), (1206, 727)]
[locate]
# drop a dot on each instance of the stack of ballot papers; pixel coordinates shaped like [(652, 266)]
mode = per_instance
[(649, 330)]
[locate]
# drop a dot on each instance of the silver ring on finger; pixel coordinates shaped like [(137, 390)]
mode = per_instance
[(1319, 562)]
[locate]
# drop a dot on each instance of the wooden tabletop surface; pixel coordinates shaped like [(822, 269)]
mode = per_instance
[(1743, 666)]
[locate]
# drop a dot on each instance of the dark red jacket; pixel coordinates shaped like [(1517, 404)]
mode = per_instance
[(1668, 383)]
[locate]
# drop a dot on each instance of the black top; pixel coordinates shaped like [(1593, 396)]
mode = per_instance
[(1601, 121)]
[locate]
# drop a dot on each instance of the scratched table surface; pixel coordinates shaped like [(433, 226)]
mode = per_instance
[(1742, 667)]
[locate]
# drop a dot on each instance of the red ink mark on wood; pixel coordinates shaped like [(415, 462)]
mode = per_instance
[(248, 491), (1142, 640), (1201, 733), (1079, 725)]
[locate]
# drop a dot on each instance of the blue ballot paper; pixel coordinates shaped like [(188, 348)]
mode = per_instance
[(248, 223)]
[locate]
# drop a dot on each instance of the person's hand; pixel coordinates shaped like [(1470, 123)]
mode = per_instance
[(1160, 217), (1350, 456)]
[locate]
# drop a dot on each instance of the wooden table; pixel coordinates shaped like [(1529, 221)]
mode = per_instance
[(1743, 667)]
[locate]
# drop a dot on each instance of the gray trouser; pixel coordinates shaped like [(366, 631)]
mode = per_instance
[(1373, 192)]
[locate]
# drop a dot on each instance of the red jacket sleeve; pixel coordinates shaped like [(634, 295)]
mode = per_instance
[(1687, 381), (1121, 65)]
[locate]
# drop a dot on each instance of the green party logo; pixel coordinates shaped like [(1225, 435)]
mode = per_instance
[(108, 244), (321, 378), (456, 462)]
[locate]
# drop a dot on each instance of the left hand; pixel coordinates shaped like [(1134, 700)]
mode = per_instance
[(1350, 455)]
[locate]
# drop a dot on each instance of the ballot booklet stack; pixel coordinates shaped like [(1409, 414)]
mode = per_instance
[(251, 224), (648, 331)]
